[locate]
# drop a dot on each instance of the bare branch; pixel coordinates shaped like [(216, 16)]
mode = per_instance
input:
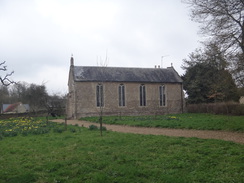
[(223, 22), (218, 18), (6, 81), (4, 68)]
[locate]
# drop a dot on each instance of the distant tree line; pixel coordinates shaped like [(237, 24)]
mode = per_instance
[(35, 95)]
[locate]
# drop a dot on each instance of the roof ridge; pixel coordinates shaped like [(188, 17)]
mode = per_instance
[(125, 67)]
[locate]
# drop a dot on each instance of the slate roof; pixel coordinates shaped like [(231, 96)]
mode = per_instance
[(126, 74)]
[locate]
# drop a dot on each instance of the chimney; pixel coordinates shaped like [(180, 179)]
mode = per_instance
[(158, 66), (72, 60), (155, 66)]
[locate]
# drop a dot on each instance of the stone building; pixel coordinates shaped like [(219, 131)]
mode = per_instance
[(123, 91)]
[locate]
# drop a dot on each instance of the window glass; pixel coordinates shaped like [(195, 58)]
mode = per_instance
[(142, 95), (121, 95), (162, 97), (99, 94)]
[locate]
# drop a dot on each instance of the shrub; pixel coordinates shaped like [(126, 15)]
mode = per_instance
[(10, 133), (238, 110), (24, 133), (73, 130), (1, 137), (40, 131), (104, 128), (93, 127), (58, 130), (229, 108)]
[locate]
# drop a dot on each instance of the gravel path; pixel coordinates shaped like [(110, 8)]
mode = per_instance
[(204, 134)]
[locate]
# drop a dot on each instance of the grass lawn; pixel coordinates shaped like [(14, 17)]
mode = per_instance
[(81, 155), (186, 120)]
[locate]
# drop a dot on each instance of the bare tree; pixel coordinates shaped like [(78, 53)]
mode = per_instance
[(18, 92), (55, 105), (37, 96), (100, 92), (33, 94), (223, 21), (5, 80)]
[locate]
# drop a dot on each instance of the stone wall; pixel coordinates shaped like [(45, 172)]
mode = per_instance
[(82, 99)]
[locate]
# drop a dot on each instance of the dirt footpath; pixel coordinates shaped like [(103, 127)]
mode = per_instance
[(204, 134)]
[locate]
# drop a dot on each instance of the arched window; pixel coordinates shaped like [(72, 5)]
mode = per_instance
[(99, 94), (121, 95), (142, 95), (162, 96)]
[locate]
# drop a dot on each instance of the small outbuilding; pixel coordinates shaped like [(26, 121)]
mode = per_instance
[(15, 108)]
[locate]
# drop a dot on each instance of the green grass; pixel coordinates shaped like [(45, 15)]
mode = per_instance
[(81, 155), (183, 121)]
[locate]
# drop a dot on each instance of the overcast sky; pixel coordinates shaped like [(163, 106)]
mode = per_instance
[(37, 37)]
